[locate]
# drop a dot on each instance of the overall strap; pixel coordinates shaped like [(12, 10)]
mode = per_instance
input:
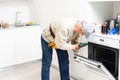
[(51, 32)]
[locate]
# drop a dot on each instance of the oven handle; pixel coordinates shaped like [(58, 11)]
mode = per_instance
[(79, 58), (84, 60)]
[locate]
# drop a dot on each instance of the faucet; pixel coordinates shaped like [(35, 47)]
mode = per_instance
[(17, 21)]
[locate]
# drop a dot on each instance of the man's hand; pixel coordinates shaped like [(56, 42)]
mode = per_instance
[(77, 46), (83, 45)]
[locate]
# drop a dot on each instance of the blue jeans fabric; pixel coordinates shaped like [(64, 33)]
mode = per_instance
[(47, 59)]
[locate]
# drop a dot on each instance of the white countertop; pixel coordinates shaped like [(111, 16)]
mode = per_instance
[(13, 27), (116, 36)]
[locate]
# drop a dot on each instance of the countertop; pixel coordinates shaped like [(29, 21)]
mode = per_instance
[(13, 27), (116, 36)]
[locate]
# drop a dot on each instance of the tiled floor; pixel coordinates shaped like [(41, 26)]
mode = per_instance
[(29, 71)]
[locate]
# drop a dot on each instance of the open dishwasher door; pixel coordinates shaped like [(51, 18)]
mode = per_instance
[(95, 66)]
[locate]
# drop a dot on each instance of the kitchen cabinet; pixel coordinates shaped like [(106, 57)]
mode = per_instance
[(20, 45), (77, 70), (27, 44), (7, 51)]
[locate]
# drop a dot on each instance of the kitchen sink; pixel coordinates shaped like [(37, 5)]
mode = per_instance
[(21, 25)]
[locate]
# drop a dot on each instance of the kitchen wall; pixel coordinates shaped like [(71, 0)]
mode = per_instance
[(35, 10), (116, 9), (44, 11), (49, 10), (100, 11), (110, 11), (8, 8)]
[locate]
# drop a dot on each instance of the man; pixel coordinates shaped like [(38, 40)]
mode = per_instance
[(62, 35)]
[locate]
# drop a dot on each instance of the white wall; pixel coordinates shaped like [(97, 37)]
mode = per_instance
[(44, 11), (116, 9), (100, 11), (47, 10), (105, 10), (9, 8), (35, 10)]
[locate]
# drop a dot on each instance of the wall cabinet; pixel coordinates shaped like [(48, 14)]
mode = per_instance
[(20, 45)]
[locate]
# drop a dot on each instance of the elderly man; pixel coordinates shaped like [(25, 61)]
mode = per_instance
[(62, 35)]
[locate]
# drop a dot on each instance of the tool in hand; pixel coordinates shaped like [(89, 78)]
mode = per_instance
[(83, 45)]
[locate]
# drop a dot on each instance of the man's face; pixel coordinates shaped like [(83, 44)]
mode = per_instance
[(78, 28)]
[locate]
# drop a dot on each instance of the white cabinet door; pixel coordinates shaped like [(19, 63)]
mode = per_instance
[(27, 44), (7, 51), (78, 70)]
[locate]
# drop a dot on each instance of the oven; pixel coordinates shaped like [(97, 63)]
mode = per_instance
[(108, 56), (103, 55)]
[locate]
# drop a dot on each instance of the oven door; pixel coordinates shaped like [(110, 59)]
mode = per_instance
[(96, 66)]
